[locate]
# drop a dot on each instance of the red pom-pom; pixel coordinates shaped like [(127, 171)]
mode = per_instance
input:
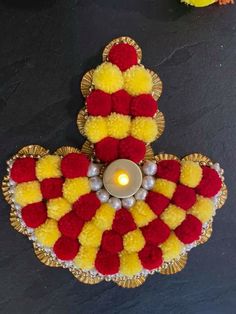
[(66, 248), (34, 215), (210, 184), (169, 170), (133, 149), (86, 206), (98, 103), (51, 188), (157, 202), (107, 149), (23, 170), (190, 230), (156, 232), (107, 263), (123, 55), (143, 105), (74, 165), (70, 225), (120, 102), (123, 222), (112, 241), (184, 197), (150, 256)]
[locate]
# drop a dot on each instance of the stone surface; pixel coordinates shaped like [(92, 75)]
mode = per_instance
[(45, 49)]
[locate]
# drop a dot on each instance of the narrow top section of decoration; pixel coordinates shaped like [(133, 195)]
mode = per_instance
[(121, 116)]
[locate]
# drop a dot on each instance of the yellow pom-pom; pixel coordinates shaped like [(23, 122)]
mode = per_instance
[(173, 216), (48, 167), (58, 207), (199, 3), (130, 264), (144, 129), (104, 217), (142, 213), (164, 187), (74, 188), (133, 241), (91, 235), (108, 78), (191, 173), (118, 125), (27, 193), (171, 248), (96, 129), (48, 233), (137, 80), (86, 257), (203, 209)]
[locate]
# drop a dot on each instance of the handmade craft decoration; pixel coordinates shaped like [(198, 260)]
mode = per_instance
[(113, 210), (205, 3)]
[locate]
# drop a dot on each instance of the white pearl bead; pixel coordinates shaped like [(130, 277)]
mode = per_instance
[(149, 168), (148, 182), (95, 183), (115, 202), (141, 194), (128, 202), (93, 170), (103, 195)]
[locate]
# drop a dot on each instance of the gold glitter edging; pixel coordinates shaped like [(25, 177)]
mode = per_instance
[(65, 150), (45, 257), (32, 151), (201, 159), (149, 155), (88, 149), (223, 196), (15, 222), (85, 277), (123, 39), (160, 121), (6, 190), (130, 282), (86, 83), (165, 156), (157, 85), (81, 120), (174, 266)]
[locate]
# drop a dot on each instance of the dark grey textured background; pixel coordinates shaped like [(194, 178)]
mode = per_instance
[(45, 47)]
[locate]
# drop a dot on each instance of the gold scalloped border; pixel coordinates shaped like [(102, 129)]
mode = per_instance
[(130, 282), (15, 222), (81, 120), (223, 196), (123, 39), (174, 266), (65, 150), (86, 85), (157, 86), (160, 122), (165, 156)]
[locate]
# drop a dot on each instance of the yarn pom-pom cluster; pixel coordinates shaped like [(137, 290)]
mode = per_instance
[(63, 213), (121, 106)]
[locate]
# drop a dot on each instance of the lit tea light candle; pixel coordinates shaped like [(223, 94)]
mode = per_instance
[(122, 178)]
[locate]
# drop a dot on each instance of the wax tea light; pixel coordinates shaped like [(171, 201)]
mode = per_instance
[(122, 178)]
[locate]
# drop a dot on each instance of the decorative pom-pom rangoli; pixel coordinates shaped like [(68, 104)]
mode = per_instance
[(113, 210)]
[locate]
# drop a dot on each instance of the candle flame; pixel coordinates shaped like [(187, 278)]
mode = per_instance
[(122, 178)]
